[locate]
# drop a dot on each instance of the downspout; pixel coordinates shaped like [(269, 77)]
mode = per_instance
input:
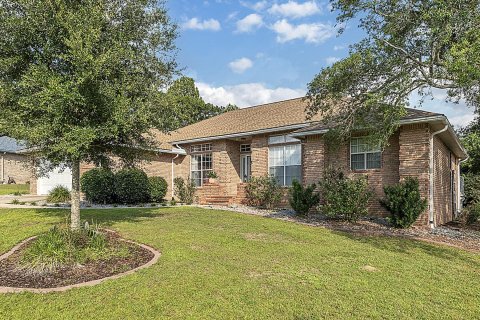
[(432, 176), (459, 177), (2, 180)]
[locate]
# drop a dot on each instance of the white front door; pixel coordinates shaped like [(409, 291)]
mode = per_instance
[(245, 167)]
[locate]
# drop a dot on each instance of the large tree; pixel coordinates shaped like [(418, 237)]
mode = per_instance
[(187, 104), (410, 46), (81, 80)]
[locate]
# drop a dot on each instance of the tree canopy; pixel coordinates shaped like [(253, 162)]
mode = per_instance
[(410, 46), (82, 80), (187, 104)]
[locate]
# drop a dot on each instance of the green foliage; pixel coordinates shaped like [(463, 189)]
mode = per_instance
[(62, 247), (132, 186), (302, 199), (344, 197), (471, 187), (404, 203), (409, 46), (184, 190), (187, 104), (98, 185), (158, 188), (58, 194), (263, 192), (15, 201), (473, 212), (212, 175)]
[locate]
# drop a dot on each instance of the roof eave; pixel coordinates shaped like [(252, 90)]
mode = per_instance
[(242, 134)]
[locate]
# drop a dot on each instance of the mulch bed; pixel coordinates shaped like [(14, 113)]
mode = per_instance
[(13, 276)]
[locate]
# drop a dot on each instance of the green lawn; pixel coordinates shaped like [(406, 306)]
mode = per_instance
[(224, 265), (11, 188)]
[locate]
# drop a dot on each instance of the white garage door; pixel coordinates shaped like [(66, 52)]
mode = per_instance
[(59, 176)]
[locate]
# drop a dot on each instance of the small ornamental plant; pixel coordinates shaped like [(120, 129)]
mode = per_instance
[(404, 202), (303, 199)]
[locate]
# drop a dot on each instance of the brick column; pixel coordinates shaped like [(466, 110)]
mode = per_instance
[(414, 141), (313, 159)]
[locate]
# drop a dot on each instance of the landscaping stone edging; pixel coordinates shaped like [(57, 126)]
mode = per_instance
[(156, 256)]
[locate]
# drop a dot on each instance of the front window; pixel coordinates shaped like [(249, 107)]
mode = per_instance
[(201, 164), (363, 155), (285, 161)]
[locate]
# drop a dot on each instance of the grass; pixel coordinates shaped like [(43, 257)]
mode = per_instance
[(17, 189), (224, 265)]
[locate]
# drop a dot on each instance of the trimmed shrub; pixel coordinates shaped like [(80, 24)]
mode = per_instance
[(302, 199), (132, 186), (98, 185), (158, 188), (344, 197), (59, 194), (404, 203), (184, 190), (263, 192), (472, 213)]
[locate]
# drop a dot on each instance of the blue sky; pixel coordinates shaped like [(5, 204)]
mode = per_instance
[(254, 52)]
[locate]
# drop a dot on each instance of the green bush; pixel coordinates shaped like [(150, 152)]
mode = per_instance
[(98, 185), (59, 194), (184, 190), (471, 188), (344, 197), (132, 186), (302, 199), (158, 188), (472, 212), (263, 192), (404, 203)]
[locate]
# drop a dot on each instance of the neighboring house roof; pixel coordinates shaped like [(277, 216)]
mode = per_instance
[(10, 145)]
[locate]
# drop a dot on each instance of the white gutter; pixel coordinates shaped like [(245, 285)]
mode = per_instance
[(243, 134), (431, 219)]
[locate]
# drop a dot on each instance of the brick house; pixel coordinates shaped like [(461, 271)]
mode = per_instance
[(13, 163), (276, 139)]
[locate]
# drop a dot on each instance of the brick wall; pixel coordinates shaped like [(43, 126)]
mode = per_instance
[(444, 163), (414, 159), (17, 166)]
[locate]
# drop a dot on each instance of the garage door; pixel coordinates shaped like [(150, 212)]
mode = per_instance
[(59, 176)]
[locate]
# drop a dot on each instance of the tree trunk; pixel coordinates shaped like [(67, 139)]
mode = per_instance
[(75, 195)]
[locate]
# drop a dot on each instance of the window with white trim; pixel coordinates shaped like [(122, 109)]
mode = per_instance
[(201, 147), (285, 161), (363, 155), (245, 148), (200, 166)]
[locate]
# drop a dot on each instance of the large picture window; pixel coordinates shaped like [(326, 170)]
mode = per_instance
[(200, 165), (364, 156), (285, 161)]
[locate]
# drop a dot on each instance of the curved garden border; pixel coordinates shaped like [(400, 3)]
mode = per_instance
[(156, 256)]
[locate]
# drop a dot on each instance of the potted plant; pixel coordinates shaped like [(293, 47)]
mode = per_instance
[(212, 177)]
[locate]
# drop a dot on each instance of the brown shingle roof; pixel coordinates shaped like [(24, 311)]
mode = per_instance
[(267, 116), (271, 115)]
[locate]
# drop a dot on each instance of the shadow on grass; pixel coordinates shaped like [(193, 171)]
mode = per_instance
[(108, 217), (404, 245)]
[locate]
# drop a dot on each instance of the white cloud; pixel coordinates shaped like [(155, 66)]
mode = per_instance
[(331, 60), (310, 32), (294, 9), (249, 23), (240, 65), (247, 94), (338, 48), (257, 6), (196, 24)]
